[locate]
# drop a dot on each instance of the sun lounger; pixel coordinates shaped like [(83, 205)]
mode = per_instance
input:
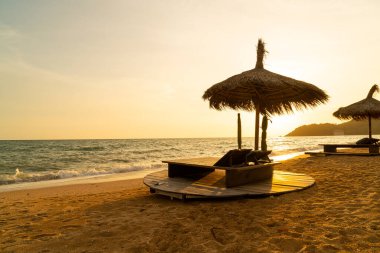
[(242, 157), (332, 148)]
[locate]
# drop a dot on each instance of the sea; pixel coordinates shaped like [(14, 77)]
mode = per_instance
[(42, 160)]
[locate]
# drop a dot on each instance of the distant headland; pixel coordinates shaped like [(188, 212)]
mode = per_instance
[(347, 128)]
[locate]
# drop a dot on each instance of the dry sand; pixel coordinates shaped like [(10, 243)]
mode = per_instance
[(341, 213)]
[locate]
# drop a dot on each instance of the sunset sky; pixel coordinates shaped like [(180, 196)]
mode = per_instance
[(138, 69)]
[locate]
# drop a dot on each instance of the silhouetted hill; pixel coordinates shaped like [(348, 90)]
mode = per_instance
[(348, 128)]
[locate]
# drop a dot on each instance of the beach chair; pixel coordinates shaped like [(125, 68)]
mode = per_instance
[(242, 157), (258, 156), (368, 141)]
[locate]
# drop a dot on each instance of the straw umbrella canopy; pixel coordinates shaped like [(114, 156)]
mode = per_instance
[(263, 91), (366, 108)]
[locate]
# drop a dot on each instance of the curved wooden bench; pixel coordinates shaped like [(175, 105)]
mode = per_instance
[(234, 176)]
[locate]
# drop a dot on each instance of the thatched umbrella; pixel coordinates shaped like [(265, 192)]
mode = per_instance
[(366, 108), (263, 91)]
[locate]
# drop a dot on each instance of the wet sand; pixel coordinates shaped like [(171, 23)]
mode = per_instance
[(341, 213)]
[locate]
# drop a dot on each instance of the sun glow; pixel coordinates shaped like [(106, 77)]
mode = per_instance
[(78, 73)]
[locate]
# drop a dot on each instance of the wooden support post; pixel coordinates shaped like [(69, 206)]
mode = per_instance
[(369, 126), (239, 132), (257, 128), (264, 126)]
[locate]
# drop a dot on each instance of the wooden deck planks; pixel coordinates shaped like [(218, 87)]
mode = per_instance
[(211, 185)]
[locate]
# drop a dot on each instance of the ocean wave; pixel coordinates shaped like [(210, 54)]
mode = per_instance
[(146, 151), (20, 176), (90, 149), (121, 160), (155, 150)]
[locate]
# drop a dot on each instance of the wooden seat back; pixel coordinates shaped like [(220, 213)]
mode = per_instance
[(235, 157)]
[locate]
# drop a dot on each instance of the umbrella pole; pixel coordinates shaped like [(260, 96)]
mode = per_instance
[(369, 126), (264, 127), (257, 126), (239, 132)]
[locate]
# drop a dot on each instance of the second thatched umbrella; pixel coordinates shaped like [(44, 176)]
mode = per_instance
[(263, 91), (366, 108)]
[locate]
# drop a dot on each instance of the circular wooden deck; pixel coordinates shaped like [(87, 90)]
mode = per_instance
[(212, 185)]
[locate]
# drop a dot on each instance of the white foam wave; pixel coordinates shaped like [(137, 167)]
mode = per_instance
[(20, 176)]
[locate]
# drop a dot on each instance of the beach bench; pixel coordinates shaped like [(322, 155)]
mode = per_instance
[(234, 175), (332, 148)]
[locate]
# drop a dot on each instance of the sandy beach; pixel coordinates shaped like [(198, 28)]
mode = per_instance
[(341, 213)]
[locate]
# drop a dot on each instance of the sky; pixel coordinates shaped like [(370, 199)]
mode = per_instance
[(94, 69)]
